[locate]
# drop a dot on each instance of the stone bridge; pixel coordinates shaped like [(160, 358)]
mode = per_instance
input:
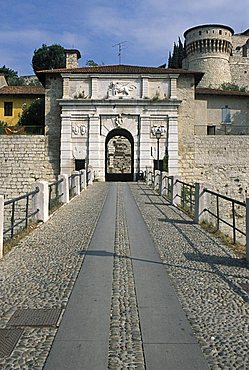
[(120, 279)]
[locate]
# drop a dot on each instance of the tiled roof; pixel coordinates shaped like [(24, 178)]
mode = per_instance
[(119, 69), (207, 91), (22, 90)]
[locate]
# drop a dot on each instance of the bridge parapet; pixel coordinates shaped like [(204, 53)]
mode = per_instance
[(43, 200), (217, 211)]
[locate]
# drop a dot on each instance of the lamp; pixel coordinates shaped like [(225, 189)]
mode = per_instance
[(158, 134)]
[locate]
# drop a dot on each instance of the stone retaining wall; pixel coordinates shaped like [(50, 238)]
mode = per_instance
[(23, 160), (222, 161)]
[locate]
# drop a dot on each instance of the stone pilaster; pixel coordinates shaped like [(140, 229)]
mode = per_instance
[(145, 87), (66, 88), (96, 148), (145, 143), (173, 86), (173, 146), (94, 88), (66, 159)]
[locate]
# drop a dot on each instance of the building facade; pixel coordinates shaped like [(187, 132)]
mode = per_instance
[(14, 99), (107, 117)]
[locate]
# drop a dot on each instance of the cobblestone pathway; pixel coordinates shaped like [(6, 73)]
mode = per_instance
[(210, 281), (41, 271)]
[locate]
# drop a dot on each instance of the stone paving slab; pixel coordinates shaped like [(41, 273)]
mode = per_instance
[(40, 272), (83, 336), (162, 318), (175, 356), (207, 277)]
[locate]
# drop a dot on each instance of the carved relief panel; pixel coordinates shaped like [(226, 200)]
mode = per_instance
[(119, 89), (126, 121)]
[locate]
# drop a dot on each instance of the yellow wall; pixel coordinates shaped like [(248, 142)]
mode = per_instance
[(18, 102)]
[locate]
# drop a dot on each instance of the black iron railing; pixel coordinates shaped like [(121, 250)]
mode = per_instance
[(187, 196), (71, 185), (167, 187), (219, 219), (81, 175), (54, 194), (23, 221), (88, 177)]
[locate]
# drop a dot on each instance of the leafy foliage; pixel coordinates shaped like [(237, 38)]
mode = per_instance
[(34, 115), (91, 63), (11, 76), (178, 54), (48, 57)]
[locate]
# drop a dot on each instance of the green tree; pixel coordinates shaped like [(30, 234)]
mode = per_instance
[(11, 76), (178, 54), (91, 63), (48, 57), (34, 115)]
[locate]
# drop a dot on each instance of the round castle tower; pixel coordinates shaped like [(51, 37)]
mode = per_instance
[(208, 49)]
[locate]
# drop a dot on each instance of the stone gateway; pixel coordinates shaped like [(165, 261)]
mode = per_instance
[(107, 116)]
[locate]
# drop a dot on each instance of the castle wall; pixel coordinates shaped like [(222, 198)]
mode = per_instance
[(23, 160), (52, 119), (221, 161), (208, 49)]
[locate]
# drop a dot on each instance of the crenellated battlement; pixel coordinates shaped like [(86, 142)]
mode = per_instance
[(222, 55)]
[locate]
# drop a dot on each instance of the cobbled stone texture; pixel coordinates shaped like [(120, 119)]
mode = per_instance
[(41, 270), (125, 342), (207, 277)]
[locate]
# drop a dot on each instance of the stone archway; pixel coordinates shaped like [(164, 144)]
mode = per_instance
[(119, 156)]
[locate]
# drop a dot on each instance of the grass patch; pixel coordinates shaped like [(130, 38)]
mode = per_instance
[(237, 248), (11, 243)]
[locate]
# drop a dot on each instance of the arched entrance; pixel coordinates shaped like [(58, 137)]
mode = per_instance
[(119, 155)]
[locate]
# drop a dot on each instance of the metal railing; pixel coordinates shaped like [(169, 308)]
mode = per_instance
[(54, 195), (218, 217), (167, 187), (25, 220), (71, 185), (88, 177), (187, 196)]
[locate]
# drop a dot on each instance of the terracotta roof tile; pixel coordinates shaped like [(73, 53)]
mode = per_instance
[(119, 69), (22, 90)]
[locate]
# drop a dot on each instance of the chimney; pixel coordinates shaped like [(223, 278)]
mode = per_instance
[(2, 80), (72, 56)]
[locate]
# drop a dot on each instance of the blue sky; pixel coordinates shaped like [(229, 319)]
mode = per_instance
[(93, 26)]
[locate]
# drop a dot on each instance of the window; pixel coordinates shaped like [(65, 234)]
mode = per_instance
[(226, 114), (8, 108)]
